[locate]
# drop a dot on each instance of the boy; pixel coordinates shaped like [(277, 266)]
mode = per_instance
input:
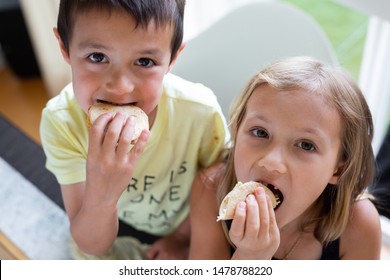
[(120, 52)]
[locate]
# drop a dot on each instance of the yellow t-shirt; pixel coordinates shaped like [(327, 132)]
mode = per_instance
[(189, 132)]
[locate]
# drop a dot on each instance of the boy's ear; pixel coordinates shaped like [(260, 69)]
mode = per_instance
[(64, 53), (176, 56), (337, 173)]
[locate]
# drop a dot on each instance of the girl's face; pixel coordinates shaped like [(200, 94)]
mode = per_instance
[(291, 140), (116, 62)]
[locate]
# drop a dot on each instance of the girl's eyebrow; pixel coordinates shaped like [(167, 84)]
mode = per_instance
[(314, 131), (256, 115)]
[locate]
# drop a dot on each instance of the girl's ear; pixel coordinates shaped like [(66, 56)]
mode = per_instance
[(176, 56), (64, 53), (337, 173)]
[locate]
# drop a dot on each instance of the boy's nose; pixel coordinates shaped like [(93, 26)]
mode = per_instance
[(273, 161), (120, 83)]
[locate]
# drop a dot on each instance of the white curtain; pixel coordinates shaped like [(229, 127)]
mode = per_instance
[(374, 77)]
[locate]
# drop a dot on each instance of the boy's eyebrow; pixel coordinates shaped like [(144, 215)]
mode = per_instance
[(87, 44), (151, 51)]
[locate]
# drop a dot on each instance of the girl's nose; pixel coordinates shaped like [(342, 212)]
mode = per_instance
[(274, 161)]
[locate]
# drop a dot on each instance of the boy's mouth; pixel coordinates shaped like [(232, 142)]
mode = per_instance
[(115, 104)]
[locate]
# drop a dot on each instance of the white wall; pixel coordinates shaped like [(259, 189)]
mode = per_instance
[(41, 17)]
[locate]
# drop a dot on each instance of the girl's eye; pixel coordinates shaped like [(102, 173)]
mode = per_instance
[(145, 62), (306, 146), (260, 133), (97, 57)]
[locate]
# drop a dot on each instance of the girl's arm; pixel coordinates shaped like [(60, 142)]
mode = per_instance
[(208, 240), (362, 237)]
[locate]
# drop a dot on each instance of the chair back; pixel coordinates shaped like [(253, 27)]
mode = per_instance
[(226, 55)]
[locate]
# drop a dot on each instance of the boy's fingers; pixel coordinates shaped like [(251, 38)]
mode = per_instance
[(126, 136), (139, 146), (97, 129), (113, 131)]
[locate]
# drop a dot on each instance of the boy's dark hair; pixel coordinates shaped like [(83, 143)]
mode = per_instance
[(162, 12)]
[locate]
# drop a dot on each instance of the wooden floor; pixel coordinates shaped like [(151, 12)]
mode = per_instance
[(21, 102), (9, 251)]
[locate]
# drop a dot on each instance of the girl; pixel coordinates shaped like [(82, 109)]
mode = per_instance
[(303, 129)]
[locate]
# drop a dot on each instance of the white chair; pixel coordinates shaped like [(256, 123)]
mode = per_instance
[(228, 53)]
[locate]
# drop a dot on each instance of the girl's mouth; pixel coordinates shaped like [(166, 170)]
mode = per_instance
[(277, 193)]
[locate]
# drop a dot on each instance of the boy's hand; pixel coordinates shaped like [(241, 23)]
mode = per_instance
[(171, 247), (254, 230), (110, 164)]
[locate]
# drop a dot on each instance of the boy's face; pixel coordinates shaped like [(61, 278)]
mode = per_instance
[(113, 61)]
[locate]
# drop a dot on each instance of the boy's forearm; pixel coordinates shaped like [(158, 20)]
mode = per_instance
[(95, 229)]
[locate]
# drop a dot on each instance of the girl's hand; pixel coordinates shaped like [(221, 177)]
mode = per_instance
[(110, 164), (254, 230)]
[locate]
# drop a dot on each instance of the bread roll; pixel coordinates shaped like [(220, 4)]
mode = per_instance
[(238, 194), (141, 121)]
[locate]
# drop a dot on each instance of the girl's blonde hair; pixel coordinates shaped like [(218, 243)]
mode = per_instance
[(331, 212)]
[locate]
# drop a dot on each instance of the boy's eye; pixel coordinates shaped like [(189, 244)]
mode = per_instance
[(260, 133), (306, 146), (145, 62), (98, 57)]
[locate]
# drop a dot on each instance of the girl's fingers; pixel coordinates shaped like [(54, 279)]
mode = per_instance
[(254, 230), (253, 219), (237, 229), (273, 226), (264, 211)]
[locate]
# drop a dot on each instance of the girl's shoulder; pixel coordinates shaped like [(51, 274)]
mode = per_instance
[(364, 214), (362, 236), (210, 176), (204, 187)]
